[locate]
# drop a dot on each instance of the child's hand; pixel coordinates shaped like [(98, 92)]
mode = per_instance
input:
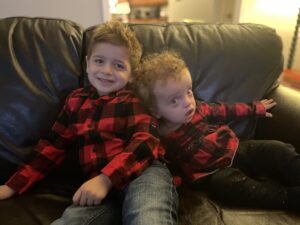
[(268, 104), (93, 191), (6, 192)]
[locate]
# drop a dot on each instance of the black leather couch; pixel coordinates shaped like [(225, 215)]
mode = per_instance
[(42, 60)]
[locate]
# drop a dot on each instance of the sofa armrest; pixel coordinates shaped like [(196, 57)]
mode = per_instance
[(285, 124)]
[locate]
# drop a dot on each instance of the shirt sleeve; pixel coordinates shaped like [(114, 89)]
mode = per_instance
[(49, 152), (142, 148), (221, 112)]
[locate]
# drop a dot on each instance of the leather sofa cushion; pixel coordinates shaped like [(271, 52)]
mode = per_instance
[(40, 64)]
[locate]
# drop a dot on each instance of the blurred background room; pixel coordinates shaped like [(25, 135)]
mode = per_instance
[(279, 14)]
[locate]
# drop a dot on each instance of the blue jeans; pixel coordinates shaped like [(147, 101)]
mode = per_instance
[(149, 199), (107, 213)]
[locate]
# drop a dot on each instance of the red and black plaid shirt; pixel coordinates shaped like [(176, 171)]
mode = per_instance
[(206, 144), (115, 134)]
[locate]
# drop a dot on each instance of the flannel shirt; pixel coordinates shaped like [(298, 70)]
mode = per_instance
[(206, 143), (115, 134)]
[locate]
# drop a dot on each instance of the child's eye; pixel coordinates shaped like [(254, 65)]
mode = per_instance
[(120, 66), (99, 61), (174, 101), (190, 92)]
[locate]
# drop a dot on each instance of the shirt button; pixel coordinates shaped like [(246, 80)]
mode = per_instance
[(153, 125)]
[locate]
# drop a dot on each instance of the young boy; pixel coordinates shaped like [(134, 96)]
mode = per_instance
[(199, 143), (116, 136)]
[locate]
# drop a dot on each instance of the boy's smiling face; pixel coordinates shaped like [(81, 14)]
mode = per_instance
[(175, 102), (108, 68)]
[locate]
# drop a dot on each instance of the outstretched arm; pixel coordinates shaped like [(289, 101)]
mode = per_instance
[(6, 192), (268, 104), (221, 112), (49, 153)]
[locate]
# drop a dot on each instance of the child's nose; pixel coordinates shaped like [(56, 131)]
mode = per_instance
[(108, 69), (187, 101)]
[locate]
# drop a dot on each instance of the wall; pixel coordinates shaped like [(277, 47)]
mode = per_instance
[(278, 14), (199, 10), (210, 11), (281, 15), (84, 12)]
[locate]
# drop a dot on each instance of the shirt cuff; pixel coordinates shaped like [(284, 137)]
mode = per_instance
[(260, 109), (115, 177), (18, 183)]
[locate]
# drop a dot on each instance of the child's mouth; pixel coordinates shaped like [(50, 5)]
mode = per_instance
[(190, 113), (105, 81)]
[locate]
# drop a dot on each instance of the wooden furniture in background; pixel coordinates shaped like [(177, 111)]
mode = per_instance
[(148, 11)]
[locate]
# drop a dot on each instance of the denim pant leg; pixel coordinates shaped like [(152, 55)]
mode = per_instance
[(107, 213), (151, 199)]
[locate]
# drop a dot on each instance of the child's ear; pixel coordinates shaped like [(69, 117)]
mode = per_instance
[(130, 79)]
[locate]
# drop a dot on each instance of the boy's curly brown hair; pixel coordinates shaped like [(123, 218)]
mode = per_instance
[(157, 66)]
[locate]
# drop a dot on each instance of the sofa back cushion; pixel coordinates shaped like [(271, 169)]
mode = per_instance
[(228, 62), (40, 63)]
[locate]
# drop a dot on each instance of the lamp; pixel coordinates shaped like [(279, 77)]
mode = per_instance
[(292, 76)]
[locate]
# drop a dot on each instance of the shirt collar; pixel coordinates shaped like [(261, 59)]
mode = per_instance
[(93, 94)]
